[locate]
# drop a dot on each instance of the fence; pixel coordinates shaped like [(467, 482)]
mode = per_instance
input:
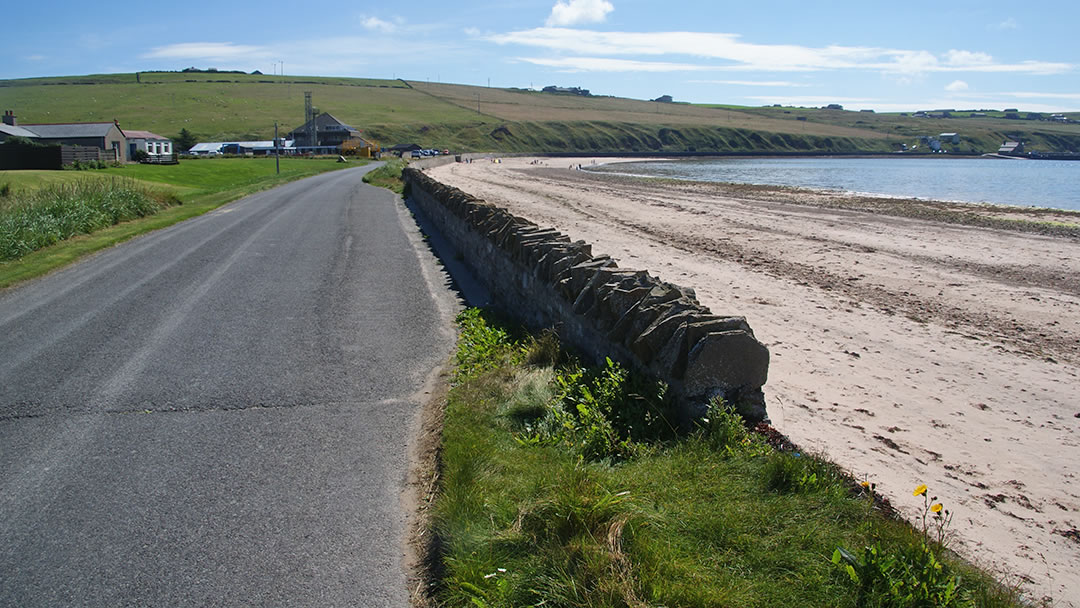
[(83, 154)]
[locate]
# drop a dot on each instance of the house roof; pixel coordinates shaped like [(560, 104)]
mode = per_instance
[(71, 129), (323, 120), (12, 131), (335, 119), (144, 135)]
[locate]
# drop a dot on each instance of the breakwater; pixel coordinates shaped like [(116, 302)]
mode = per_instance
[(544, 280)]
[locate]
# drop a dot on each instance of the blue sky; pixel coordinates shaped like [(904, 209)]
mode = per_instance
[(882, 56)]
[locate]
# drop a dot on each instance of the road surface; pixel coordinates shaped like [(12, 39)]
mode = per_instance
[(218, 413)]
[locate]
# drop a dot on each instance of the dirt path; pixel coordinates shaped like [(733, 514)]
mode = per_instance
[(909, 350)]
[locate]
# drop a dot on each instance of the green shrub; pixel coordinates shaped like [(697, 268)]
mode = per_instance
[(482, 346), (909, 574), (796, 472)]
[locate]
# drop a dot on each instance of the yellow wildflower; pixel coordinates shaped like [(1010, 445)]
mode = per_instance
[(919, 491), (936, 507), (865, 484)]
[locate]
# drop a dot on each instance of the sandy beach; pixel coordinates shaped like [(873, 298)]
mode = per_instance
[(908, 346)]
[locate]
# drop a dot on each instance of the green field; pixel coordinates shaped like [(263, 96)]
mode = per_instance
[(200, 185), (224, 106)]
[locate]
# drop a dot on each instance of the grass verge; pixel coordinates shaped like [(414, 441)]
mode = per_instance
[(199, 185), (562, 485), (388, 176)]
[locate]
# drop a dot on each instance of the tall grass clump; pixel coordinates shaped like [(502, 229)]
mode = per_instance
[(36, 219)]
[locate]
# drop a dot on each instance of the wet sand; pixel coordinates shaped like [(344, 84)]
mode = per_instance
[(911, 342)]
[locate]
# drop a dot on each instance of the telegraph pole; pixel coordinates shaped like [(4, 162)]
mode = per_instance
[(277, 153)]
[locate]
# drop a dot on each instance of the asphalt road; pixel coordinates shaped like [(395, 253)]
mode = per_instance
[(218, 414)]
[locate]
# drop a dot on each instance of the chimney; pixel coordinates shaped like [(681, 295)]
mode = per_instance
[(9, 118)]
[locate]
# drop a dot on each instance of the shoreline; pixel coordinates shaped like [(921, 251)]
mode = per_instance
[(1062, 222), (1073, 214), (905, 348)]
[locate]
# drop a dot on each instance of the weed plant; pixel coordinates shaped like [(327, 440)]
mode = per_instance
[(562, 485), (39, 218)]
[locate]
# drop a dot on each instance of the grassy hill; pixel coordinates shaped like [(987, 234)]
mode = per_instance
[(231, 106)]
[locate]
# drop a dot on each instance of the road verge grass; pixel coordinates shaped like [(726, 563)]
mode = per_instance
[(198, 185), (563, 485), (388, 176)]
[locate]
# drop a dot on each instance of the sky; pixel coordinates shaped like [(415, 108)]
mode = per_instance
[(863, 55)]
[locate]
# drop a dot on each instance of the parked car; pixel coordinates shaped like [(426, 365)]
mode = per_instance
[(416, 154)]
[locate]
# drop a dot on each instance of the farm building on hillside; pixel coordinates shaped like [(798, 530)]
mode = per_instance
[(953, 138), (1011, 147)]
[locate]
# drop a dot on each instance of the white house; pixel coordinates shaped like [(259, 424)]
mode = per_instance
[(152, 144)]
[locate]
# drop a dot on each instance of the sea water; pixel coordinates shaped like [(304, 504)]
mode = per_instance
[(1027, 183)]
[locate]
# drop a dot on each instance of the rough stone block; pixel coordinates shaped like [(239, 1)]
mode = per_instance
[(726, 360), (657, 335)]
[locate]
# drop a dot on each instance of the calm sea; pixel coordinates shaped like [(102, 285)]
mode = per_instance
[(1042, 183)]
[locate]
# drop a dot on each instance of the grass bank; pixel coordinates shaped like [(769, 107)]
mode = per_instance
[(238, 107), (198, 185), (388, 176), (564, 485)]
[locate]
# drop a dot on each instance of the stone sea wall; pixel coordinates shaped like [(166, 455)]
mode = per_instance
[(543, 279)]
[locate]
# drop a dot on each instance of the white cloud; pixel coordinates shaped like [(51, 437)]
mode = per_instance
[(334, 56), (1008, 24), (956, 86), (35, 57), (753, 83), (575, 12), (209, 51), (377, 25), (604, 64), (738, 55), (811, 100), (967, 58)]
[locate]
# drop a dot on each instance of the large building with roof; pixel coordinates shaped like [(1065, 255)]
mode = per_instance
[(104, 135), (323, 131), (115, 143)]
